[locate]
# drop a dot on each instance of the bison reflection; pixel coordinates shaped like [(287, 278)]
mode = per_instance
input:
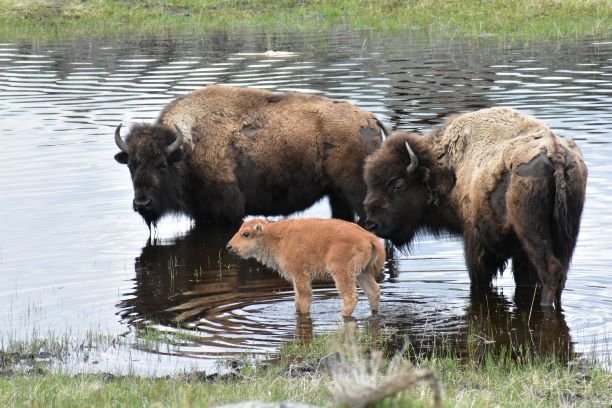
[(517, 329), (491, 326), (192, 283), (192, 276), (227, 306)]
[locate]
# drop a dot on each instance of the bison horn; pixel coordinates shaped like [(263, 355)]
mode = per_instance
[(414, 161), (177, 142), (119, 141)]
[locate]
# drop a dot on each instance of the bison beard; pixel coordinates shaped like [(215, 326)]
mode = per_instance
[(501, 180), (220, 153)]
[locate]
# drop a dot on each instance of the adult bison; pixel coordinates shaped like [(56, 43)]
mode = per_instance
[(221, 152), (501, 179)]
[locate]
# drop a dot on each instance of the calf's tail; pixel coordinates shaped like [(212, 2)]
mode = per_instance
[(377, 260)]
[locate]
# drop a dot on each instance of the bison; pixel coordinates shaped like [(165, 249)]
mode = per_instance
[(302, 250), (221, 152), (500, 179)]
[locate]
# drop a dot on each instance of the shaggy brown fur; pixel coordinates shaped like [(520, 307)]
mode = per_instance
[(250, 152), (302, 250), (502, 180)]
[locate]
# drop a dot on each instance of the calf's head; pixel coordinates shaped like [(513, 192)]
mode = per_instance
[(246, 243), (398, 191), (155, 157)]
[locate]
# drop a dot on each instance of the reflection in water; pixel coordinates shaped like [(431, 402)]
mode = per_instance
[(191, 288), (516, 329), (68, 239)]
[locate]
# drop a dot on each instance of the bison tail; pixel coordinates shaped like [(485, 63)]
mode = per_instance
[(566, 214), (560, 208)]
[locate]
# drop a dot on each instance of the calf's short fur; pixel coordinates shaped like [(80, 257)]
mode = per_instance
[(302, 250)]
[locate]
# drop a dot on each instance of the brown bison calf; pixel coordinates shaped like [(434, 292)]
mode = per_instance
[(302, 250)]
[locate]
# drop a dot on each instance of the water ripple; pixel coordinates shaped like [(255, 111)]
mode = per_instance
[(72, 253)]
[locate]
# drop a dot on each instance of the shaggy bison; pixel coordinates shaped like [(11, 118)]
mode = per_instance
[(501, 179), (302, 250), (220, 153)]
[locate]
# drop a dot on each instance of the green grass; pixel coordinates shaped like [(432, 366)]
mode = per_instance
[(490, 380), (507, 19), (541, 385)]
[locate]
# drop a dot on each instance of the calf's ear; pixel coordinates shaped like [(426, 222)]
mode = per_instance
[(121, 157), (258, 227)]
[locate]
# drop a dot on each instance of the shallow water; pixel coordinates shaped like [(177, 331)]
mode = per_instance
[(74, 258)]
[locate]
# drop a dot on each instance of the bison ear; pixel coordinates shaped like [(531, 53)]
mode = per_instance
[(176, 156), (121, 157), (258, 227)]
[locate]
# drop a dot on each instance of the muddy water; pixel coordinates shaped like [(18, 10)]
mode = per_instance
[(74, 258)]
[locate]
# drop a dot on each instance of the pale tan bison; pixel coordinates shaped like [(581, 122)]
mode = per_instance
[(500, 179), (221, 152), (302, 250)]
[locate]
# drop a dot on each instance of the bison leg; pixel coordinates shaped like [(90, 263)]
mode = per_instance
[(482, 263), (219, 204), (303, 295), (550, 271), (340, 207), (371, 288), (525, 274), (531, 223)]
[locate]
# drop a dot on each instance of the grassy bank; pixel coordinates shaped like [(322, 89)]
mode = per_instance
[(327, 369), (507, 19)]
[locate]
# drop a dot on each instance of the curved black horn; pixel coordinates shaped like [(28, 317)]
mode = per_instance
[(172, 147), (386, 131), (119, 141), (414, 161)]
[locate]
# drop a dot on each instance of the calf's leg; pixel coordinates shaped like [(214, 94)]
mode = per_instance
[(303, 295), (371, 288), (347, 287)]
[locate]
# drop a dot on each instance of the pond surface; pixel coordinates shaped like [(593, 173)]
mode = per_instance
[(76, 260)]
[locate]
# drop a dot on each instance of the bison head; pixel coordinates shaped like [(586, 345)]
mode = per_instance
[(246, 243), (398, 190), (155, 157)]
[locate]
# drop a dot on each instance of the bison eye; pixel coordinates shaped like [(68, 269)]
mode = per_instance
[(162, 165), (396, 185), (246, 234)]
